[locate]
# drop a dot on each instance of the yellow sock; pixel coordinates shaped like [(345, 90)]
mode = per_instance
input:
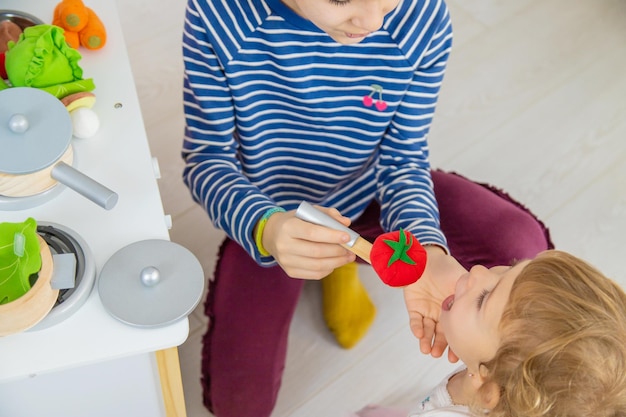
[(348, 310)]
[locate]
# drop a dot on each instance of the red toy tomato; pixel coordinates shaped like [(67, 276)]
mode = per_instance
[(398, 258)]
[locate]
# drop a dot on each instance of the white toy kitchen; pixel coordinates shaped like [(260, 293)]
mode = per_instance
[(107, 345)]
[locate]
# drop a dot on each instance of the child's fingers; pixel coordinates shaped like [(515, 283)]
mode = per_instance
[(426, 341), (416, 323), (439, 343), (335, 214), (311, 268), (321, 234), (452, 356)]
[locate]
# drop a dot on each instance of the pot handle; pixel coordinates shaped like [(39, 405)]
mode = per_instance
[(84, 185)]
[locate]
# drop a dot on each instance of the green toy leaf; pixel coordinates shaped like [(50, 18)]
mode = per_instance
[(63, 90), (400, 249), (19, 258), (398, 258)]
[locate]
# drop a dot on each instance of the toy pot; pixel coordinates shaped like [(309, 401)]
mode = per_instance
[(35, 138), (26, 311), (23, 20)]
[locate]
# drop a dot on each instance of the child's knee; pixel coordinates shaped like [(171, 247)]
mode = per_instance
[(522, 236)]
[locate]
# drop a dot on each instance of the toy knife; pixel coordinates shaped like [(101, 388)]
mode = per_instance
[(356, 245)]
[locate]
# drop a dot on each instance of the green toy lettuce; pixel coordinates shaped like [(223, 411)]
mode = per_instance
[(19, 258), (41, 58)]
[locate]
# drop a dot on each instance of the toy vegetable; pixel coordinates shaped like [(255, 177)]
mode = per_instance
[(85, 122), (9, 31), (19, 258), (42, 58), (398, 258), (82, 25)]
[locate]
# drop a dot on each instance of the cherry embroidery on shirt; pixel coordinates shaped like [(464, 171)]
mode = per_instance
[(380, 104)]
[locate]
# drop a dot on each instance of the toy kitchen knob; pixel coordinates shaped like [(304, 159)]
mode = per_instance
[(151, 283)]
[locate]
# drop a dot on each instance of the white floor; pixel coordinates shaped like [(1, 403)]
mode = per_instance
[(534, 102)]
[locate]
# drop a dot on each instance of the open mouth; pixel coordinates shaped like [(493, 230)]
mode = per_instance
[(446, 305)]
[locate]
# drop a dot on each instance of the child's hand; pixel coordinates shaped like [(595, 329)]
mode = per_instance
[(423, 300), (306, 250)]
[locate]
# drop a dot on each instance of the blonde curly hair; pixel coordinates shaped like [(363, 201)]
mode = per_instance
[(563, 343)]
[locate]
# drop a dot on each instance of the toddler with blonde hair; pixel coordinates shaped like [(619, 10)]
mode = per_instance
[(545, 337)]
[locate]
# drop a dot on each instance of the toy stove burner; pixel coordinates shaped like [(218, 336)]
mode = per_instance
[(63, 240)]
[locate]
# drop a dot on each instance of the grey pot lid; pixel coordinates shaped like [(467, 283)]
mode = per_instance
[(35, 130), (151, 283)]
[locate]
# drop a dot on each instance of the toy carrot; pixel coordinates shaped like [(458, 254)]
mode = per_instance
[(71, 15), (93, 36), (81, 24)]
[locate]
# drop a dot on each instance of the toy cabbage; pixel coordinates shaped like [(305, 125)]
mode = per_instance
[(19, 258), (41, 58)]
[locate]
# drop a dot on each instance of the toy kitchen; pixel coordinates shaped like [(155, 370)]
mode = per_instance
[(100, 295)]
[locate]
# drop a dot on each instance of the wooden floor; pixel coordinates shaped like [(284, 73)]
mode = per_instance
[(534, 102)]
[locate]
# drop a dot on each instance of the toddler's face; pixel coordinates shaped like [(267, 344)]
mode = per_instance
[(471, 316), (346, 21)]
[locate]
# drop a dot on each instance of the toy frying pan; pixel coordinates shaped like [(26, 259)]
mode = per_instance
[(35, 138)]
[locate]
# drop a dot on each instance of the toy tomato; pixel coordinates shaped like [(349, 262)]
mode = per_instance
[(398, 258)]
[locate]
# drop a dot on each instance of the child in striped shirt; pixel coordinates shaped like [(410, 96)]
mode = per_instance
[(328, 101)]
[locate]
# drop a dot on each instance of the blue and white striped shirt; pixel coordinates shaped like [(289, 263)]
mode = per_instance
[(278, 112)]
